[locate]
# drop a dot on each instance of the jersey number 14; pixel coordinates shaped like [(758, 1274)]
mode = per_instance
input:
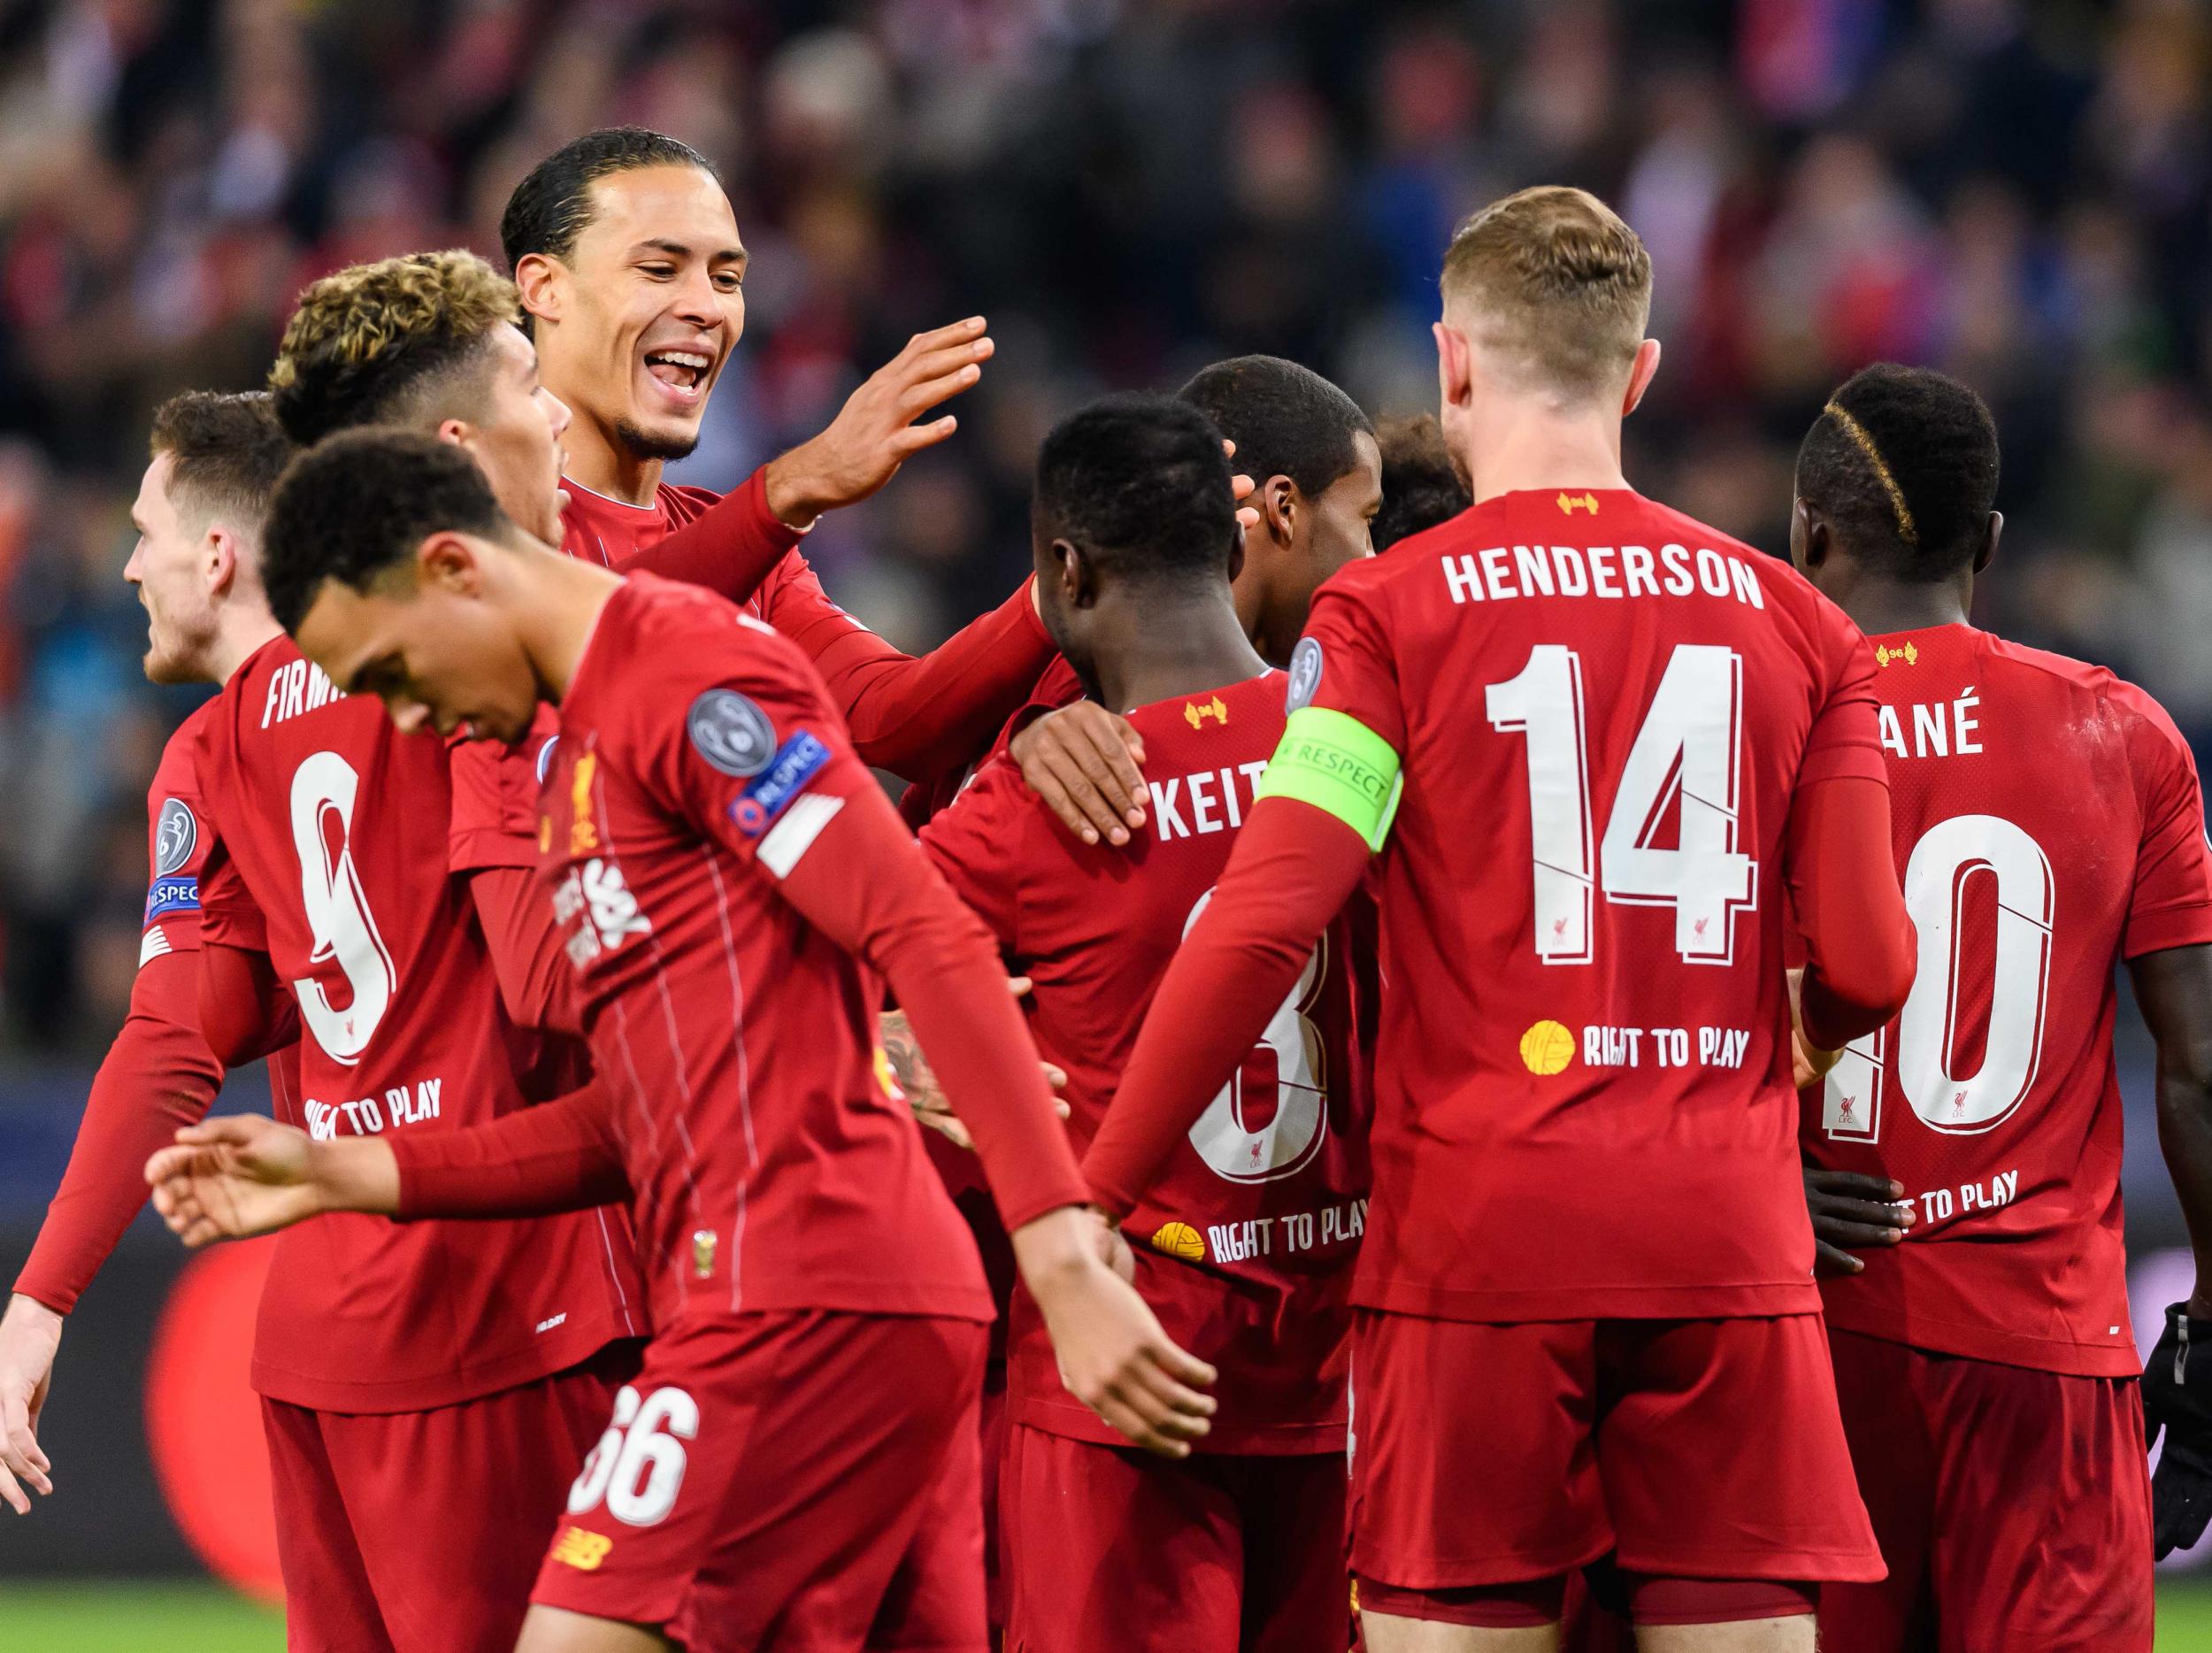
[(1688, 753)]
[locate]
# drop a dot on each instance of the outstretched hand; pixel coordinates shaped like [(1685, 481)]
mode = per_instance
[(875, 432), (1113, 1356), (233, 1176)]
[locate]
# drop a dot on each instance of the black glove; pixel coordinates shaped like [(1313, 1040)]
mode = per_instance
[(2178, 1398)]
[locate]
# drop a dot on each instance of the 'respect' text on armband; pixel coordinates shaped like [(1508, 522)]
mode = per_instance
[(1338, 763)]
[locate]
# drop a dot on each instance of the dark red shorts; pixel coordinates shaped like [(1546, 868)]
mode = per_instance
[(1110, 1549), (2014, 1506), (371, 1510), (801, 1479), (1693, 1448)]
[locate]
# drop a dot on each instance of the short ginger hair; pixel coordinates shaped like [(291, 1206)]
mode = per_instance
[(225, 452), (379, 343), (1553, 279)]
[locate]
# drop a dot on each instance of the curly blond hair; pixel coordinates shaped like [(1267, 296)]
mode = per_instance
[(370, 343), (1553, 277)]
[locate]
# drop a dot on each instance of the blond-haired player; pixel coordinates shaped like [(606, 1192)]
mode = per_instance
[(1590, 746)]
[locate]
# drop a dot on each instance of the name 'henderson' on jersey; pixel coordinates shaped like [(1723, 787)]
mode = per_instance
[(2048, 823), (1603, 709)]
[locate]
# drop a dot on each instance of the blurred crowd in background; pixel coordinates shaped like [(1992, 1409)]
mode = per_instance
[(2020, 194)]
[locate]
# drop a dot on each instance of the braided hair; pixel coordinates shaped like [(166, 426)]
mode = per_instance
[(1903, 462)]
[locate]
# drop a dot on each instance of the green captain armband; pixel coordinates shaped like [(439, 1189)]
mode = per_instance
[(1338, 763)]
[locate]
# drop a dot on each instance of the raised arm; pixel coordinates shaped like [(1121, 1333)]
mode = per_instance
[(734, 546)]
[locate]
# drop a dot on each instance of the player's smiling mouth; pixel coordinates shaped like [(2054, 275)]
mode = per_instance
[(680, 373)]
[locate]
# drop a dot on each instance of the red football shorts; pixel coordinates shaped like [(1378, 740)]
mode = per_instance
[(795, 1479), (1505, 1454), (1110, 1549), (423, 1531), (2014, 1506)]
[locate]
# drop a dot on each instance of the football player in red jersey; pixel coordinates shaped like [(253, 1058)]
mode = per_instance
[(1253, 1227), (216, 460), (1965, 1158), (1317, 487), (632, 271), (1592, 746), (796, 1463)]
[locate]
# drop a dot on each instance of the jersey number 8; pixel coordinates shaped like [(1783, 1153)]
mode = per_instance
[(1224, 1139)]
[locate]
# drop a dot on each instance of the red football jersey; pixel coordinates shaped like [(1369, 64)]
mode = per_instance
[(1254, 1224), (2048, 824), (1583, 1107), (495, 787), (769, 1168), (327, 850)]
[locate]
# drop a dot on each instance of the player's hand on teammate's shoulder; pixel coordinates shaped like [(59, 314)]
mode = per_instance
[(1850, 1210), (875, 432), (916, 1082), (1084, 762), (1113, 1356), (30, 1333), (234, 1175), (2178, 1400)]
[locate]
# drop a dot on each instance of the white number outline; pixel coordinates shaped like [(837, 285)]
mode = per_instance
[(1949, 855), (1220, 1136), (338, 916), (1688, 753), (638, 1465)]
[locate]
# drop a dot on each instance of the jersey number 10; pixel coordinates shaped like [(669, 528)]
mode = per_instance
[(1950, 859), (1689, 752)]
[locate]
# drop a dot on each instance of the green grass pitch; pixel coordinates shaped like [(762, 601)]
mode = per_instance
[(138, 1617)]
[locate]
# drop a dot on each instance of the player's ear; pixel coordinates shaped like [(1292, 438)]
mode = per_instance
[(459, 432), (219, 559), (1640, 375), (1810, 539), (1279, 509), (448, 562), (1985, 553), (1454, 364), (1079, 580), (543, 283)]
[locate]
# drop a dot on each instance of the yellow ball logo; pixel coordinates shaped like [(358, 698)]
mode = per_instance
[(1547, 1049), (1180, 1240)]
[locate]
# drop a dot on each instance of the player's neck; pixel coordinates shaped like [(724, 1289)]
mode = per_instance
[(556, 601), (239, 637), (601, 461), (1515, 450), (1176, 646), (1880, 606)]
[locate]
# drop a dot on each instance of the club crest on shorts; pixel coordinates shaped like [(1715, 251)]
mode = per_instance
[(175, 836), (1305, 675), (731, 733)]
